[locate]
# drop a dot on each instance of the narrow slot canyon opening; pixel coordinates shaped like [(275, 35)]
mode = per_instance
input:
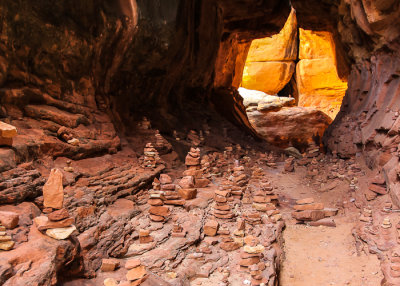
[(290, 85)]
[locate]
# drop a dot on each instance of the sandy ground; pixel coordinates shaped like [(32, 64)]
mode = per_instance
[(319, 256)]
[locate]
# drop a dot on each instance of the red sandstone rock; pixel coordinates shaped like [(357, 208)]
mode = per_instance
[(210, 228), (307, 215), (187, 194), (314, 206), (159, 211), (58, 215), (53, 191), (9, 219)]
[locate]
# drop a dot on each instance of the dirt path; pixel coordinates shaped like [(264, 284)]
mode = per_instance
[(320, 256), (326, 256)]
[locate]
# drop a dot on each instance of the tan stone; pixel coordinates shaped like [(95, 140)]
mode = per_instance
[(269, 77), (7, 245), (60, 233), (110, 282), (7, 130), (136, 273), (305, 201), (53, 191), (109, 265), (132, 263)]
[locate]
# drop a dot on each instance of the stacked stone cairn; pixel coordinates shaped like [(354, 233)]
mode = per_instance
[(144, 236), (177, 231), (289, 165), (194, 138), (157, 211), (7, 133), (307, 210), (187, 190), (271, 160), (150, 157), (193, 163), (222, 209), (6, 242), (58, 224), (250, 260), (170, 191)]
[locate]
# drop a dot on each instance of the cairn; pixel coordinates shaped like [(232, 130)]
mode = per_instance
[(157, 211), (193, 163), (177, 231), (150, 157), (222, 209), (289, 164), (194, 138), (145, 123), (170, 191), (6, 242)]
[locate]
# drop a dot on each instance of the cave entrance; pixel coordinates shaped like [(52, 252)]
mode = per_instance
[(290, 85)]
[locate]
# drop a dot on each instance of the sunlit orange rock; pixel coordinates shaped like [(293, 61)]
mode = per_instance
[(270, 61), (269, 77), (280, 47), (317, 79)]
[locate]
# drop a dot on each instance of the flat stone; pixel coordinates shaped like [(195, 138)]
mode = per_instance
[(330, 212), (110, 282), (305, 201), (42, 223), (329, 222), (378, 189), (309, 215), (58, 215), (155, 202), (314, 206), (60, 233), (159, 211), (53, 191), (7, 130), (132, 263), (136, 273), (7, 245)]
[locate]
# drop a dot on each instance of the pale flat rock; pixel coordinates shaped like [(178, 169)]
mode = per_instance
[(7, 130), (60, 233)]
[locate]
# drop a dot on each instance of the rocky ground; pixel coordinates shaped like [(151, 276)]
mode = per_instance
[(235, 216)]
